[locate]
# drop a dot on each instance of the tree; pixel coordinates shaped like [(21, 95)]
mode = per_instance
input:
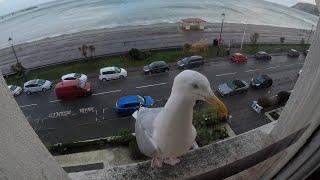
[(84, 51), (92, 50), (187, 48), (136, 54), (18, 69), (254, 37)]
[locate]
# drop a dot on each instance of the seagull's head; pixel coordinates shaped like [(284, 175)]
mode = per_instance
[(196, 86)]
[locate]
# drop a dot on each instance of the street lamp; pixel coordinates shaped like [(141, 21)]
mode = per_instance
[(14, 52), (220, 39), (244, 33)]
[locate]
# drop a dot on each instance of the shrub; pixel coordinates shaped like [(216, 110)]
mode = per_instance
[(265, 102), (17, 68), (254, 37), (84, 51), (283, 97), (136, 54), (282, 39), (187, 47), (200, 47), (123, 137)]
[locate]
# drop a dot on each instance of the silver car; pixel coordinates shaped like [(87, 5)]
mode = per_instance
[(233, 87), (37, 85)]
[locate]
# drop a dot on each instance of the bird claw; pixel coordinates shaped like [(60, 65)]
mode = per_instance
[(171, 161), (156, 162)]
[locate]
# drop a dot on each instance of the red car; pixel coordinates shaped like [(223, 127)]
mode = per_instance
[(239, 58), (72, 88)]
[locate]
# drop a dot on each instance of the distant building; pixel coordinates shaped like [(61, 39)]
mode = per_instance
[(197, 23)]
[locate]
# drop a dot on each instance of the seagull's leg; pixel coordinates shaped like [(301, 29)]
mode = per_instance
[(156, 162), (171, 161)]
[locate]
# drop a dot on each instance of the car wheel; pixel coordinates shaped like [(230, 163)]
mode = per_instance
[(121, 77), (104, 79), (44, 89), (28, 92), (149, 72), (166, 70)]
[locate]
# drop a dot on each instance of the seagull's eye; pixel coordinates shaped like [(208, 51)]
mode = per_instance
[(195, 86)]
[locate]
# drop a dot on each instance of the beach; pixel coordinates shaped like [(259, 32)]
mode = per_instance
[(108, 41)]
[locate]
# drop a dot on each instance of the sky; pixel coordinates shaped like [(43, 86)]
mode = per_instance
[(8, 6)]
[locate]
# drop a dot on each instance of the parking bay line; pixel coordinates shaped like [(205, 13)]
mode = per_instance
[(252, 70), (151, 85), (57, 100), (273, 67), (107, 92), (226, 74), (28, 105)]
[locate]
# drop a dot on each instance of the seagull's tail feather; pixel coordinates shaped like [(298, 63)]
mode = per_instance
[(135, 114)]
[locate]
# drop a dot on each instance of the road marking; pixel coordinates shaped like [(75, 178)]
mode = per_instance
[(108, 92), (289, 65), (252, 70), (273, 67), (226, 74), (57, 100), (151, 85), (28, 105)]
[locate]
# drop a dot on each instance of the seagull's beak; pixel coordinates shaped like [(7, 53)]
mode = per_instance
[(221, 107)]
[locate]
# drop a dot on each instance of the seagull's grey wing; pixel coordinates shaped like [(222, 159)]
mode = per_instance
[(144, 130)]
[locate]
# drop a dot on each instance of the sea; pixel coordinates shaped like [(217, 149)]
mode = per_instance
[(70, 16)]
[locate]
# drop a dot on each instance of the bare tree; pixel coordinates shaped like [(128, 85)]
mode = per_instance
[(84, 50), (92, 50), (254, 37)]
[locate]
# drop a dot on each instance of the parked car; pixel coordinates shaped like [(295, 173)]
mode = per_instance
[(190, 62), (261, 55), (306, 52), (36, 85), (15, 90), (109, 73), (293, 53), (261, 81), (129, 104), (74, 76), (72, 88), (239, 58), (233, 87), (156, 67)]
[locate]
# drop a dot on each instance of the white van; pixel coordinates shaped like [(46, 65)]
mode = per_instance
[(110, 73)]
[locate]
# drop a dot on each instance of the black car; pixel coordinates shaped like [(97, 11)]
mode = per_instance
[(293, 53), (262, 55), (261, 81), (190, 62), (156, 67)]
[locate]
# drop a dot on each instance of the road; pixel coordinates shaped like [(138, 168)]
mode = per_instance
[(93, 117)]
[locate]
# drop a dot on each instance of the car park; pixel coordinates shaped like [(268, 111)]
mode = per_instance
[(36, 85), (239, 58), (293, 53), (261, 81), (233, 87), (190, 62), (129, 104), (261, 55), (74, 76), (156, 67), (111, 73), (15, 90), (72, 88)]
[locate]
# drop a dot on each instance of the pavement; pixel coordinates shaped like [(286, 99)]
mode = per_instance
[(94, 117)]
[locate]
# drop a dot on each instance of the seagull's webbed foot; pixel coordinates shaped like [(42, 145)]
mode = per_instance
[(171, 161), (156, 162)]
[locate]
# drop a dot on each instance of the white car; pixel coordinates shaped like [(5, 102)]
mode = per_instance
[(15, 90), (37, 85), (109, 73), (73, 76)]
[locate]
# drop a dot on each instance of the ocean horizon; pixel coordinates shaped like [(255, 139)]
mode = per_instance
[(71, 16)]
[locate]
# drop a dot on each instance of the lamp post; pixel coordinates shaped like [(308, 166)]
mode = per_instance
[(244, 33), (220, 39), (10, 40)]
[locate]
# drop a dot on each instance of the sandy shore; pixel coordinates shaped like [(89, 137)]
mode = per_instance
[(116, 40)]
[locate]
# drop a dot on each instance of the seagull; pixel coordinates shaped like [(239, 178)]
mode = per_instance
[(167, 133)]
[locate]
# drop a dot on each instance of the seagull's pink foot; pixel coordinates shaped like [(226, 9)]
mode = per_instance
[(171, 161), (156, 162)]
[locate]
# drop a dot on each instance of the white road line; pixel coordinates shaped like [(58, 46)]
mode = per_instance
[(139, 87), (273, 67), (108, 92), (289, 65), (226, 74), (55, 100), (28, 105), (252, 70)]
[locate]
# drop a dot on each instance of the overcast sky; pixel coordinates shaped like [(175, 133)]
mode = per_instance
[(7, 6)]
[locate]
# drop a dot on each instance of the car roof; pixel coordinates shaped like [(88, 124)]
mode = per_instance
[(158, 62), (262, 52), (33, 81), (67, 83), (265, 76), (127, 100), (107, 69), (196, 57), (238, 54), (293, 50)]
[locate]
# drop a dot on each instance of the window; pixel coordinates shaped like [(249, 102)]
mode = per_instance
[(117, 70), (77, 75), (12, 88)]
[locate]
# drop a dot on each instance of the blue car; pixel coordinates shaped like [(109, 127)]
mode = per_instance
[(129, 104)]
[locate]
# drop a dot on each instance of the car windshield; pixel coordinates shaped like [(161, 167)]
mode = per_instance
[(185, 60), (141, 100), (231, 85), (118, 70), (77, 75), (13, 87), (41, 81), (260, 79)]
